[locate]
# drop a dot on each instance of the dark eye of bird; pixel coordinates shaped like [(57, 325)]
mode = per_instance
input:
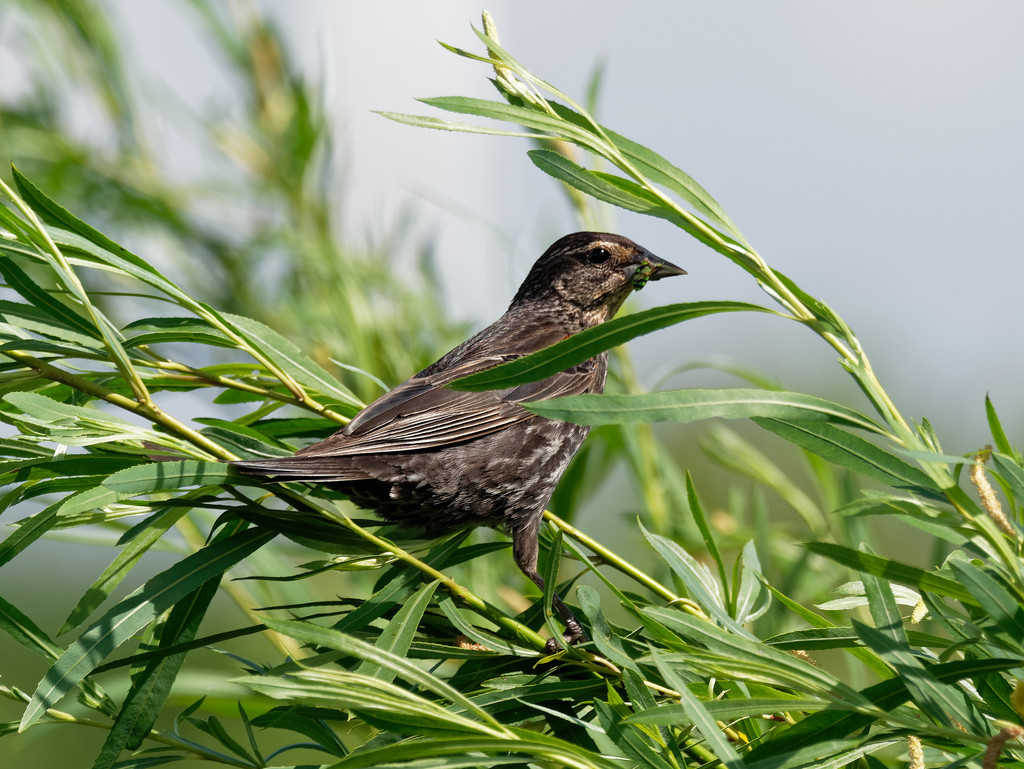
[(599, 255)]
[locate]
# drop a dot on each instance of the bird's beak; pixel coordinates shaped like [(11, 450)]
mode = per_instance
[(650, 267), (661, 268)]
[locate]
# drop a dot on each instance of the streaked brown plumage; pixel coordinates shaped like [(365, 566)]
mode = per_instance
[(438, 458)]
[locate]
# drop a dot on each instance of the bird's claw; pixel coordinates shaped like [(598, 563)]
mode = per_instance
[(573, 635)]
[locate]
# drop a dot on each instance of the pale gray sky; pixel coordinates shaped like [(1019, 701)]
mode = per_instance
[(871, 150)]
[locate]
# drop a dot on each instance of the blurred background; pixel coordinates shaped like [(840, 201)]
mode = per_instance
[(870, 151)]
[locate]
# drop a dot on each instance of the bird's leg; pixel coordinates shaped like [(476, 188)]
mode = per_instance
[(524, 551)]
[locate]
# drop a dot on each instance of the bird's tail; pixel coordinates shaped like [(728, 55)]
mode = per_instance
[(301, 468)]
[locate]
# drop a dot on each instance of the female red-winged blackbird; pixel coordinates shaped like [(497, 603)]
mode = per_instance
[(432, 457)]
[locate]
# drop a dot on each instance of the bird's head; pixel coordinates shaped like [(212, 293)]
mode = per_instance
[(587, 276)]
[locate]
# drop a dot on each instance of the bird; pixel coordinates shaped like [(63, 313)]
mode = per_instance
[(439, 459)]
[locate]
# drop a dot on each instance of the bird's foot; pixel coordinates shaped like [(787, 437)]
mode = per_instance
[(573, 635)]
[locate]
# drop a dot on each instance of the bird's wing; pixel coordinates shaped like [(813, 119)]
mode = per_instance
[(422, 414)]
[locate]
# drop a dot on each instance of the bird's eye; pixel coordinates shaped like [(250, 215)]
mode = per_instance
[(599, 255)]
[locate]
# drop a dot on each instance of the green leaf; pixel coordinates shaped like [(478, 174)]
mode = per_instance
[(586, 344), (819, 728), (308, 633), (119, 568), (851, 451), (378, 702), (699, 716), (51, 309), (150, 688), (509, 113), (291, 359), (167, 476), (728, 648), (941, 702), (608, 644), (1012, 473), (136, 611), (601, 186), (888, 639), (493, 749), (149, 331), (695, 404), (398, 634), (307, 721), (661, 171), (901, 573), (53, 213), (26, 632), (633, 743), (697, 511), (700, 584), (28, 531), (996, 602), (827, 754), (727, 710), (996, 428)]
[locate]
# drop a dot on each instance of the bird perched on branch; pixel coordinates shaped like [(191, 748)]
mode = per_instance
[(429, 456)]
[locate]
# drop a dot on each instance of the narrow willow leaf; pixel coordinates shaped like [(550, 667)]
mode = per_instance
[(944, 704), (996, 428), (695, 404), (439, 124), (919, 579), (478, 635), (661, 171), (577, 128), (84, 251), (700, 583), (851, 451), (398, 634), (311, 722), (86, 500), (996, 602), (378, 702), (167, 476), (755, 655), (52, 309), (888, 639), (151, 686), (136, 611), (28, 531), (728, 710), (510, 113), (1012, 473), (699, 716), (598, 186), (828, 754), (291, 359), (816, 638), (148, 331), (697, 511), (748, 587), (308, 633), (120, 567), (48, 410), (26, 632), (586, 344), (635, 744), (818, 728), (608, 644), (53, 213), (523, 746)]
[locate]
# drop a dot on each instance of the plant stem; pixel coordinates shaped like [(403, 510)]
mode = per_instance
[(626, 567), (148, 410), (190, 374)]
